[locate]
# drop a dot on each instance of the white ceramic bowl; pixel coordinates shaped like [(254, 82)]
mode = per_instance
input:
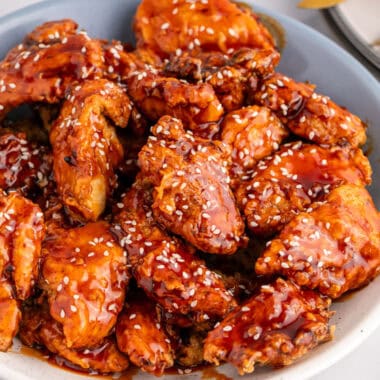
[(308, 56)]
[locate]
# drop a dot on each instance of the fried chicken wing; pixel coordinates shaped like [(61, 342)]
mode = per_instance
[(156, 96), (229, 75), (84, 275), (333, 248), (39, 328), (192, 197), (167, 27), (41, 72), (141, 336), (287, 183), (24, 166), (85, 146), (10, 315), (309, 115), (275, 327), (253, 133), (166, 268), (22, 231), (52, 31)]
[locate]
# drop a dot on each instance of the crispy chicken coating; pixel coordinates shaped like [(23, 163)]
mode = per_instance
[(42, 71), (168, 27), (84, 275), (24, 166), (230, 75), (253, 133), (141, 336), (166, 268), (287, 183), (310, 115), (22, 231), (333, 248), (85, 146), (10, 315), (277, 326), (156, 96), (39, 328), (192, 197)]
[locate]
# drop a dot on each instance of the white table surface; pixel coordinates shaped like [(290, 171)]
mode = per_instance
[(364, 361)]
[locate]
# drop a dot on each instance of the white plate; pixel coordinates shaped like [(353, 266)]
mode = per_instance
[(308, 56), (359, 20)]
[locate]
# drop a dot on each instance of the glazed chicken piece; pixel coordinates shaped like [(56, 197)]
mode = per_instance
[(298, 174), (253, 133), (309, 115), (192, 197), (156, 96), (164, 267), (85, 146), (230, 75), (333, 248), (24, 166), (142, 337), (167, 27), (38, 328), (275, 327), (84, 275), (38, 71), (10, 315), (22, 230)]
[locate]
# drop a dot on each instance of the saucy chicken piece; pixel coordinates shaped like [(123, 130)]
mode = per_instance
[(333, 248), (141, 336), (84, 275), (10, 315), (324, 122), (38, 328), (275, 327), (164, 267), (229, 75), (156, 95), (85, 146), (167, 27), (253, 133), (309, 115), (22, 231), (24, 166), (41, 72), (192, 197), (287, 183), (52, 31)]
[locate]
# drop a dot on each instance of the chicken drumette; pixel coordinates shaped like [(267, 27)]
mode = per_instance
[(287, 183), (21, 232), (167, 27), (85, 146), (84, 275), (275, 327), (192, 197), (163, 266), (334, 248)]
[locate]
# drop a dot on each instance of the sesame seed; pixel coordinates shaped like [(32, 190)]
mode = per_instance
[(137, 327), (132, 316), (62, 314), (73, 308), (245, 308), (227, 328), (165, 26)]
